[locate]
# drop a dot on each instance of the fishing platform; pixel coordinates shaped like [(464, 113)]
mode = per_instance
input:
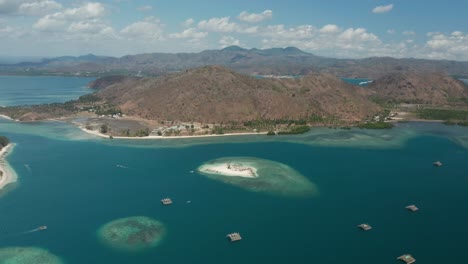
[(407, 258), (365, 227), (166, 201), (233, 237), (412, 208)]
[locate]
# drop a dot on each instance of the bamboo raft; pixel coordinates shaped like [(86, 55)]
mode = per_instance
[(407, 258), (166, 201), (365, 227), (233, 237)]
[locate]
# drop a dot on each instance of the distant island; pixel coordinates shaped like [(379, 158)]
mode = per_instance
[(215, 100)]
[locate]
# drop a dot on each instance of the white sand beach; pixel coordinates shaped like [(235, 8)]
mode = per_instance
[(5, 117), (97, 133), (8, 175), (230, 169)]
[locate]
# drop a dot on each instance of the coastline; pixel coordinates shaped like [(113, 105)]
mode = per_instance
[(9, 175), (98, 134)]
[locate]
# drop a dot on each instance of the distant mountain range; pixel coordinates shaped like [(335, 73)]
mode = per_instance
[(276, 61)]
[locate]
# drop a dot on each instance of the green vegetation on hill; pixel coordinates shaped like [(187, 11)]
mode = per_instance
[(143, 132), (376, 125), (218, 130), (271, 124), (4, 141), (278, 124), (89, 98), (443, 114), (452, 123)]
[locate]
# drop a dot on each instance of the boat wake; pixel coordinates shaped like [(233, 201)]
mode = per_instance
[(122, 166), (41, 228), (8, 236)]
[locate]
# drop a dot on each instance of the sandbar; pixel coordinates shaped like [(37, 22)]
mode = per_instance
[(7, 174), (230, 169), (259, 175)]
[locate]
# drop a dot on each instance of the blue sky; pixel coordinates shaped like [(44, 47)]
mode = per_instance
[(336, 28)]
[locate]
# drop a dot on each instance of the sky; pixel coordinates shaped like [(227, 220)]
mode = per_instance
[(430, 29)]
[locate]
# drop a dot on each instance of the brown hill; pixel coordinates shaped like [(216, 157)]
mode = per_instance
[(424, 88), (216, 94)]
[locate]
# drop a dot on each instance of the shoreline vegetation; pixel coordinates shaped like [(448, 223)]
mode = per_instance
[(448, 116), (114, 124), (212, 130), (7, 174)]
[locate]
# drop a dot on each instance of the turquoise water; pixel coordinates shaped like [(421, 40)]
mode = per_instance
[(75, 183), (74, 186), (357, 81), (26, 90)]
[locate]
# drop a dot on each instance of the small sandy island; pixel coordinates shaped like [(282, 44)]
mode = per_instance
[(259, 175), (7, 174), (230, 169)]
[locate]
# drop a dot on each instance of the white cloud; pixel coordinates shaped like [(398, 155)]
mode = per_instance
[(28, 7), (60, 20), (409, 33), (188, 23), (382, 9), (49, 23), (328, 40), (248, 30), (91, 27), (149, 28), (358, 34), (255, 17), (330, 28), (86, 11), (216, 24), (145, 8), (452, 46), (391, 31), (227, 41), (294, 33), (191, 33), (38, 7)]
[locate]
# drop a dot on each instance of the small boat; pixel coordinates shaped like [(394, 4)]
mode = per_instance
[(42, 228)]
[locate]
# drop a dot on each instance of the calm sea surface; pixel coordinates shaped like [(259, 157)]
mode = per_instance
[(26, 90), (70, 182)]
